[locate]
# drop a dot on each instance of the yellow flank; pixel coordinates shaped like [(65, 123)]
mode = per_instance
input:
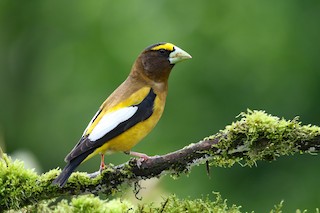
[(134, 99), (166, 46), (129, 138)]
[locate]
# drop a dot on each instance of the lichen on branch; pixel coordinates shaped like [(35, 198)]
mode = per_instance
[(260, 136), (256, 136)]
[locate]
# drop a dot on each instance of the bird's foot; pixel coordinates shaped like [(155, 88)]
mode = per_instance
[(142, 157), (102, 168)]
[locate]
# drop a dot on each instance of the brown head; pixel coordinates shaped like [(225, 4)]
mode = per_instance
[(156, 61)]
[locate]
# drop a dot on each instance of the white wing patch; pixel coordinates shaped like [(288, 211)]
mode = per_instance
[(110, 121), (93, 118)]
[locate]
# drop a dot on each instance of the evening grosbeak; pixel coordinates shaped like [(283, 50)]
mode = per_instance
[(130, 112)]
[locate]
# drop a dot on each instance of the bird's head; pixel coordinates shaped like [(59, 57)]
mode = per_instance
[(157, 60)]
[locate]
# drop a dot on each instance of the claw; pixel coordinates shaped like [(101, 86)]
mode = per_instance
[(142, 157), (139, 162)]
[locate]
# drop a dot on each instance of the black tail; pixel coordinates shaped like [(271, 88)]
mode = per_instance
[(68, 169)]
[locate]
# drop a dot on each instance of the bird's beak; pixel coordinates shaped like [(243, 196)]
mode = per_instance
[(178, 55)]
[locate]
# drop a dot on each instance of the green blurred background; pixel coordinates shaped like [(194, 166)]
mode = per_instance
[(59, 60)]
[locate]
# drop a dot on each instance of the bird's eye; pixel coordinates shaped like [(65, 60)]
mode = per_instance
[(162, 51)]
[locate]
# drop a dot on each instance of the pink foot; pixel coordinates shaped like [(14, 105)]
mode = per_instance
[(142, 157)]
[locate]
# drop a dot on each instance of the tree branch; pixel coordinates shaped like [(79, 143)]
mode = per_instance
[(256, 136)]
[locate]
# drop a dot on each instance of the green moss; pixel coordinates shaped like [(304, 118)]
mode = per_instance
[(23, 179), (259, 136), (83, 203), (89, 203), (16, 183), (172, 204), (205, 205)]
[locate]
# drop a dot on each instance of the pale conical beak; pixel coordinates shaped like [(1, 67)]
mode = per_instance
[(178, 55)]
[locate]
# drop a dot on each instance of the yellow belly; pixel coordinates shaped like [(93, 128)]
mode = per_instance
[(128, 139)]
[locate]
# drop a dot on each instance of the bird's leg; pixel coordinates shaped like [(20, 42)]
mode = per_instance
[(102, 165), (142, 157)]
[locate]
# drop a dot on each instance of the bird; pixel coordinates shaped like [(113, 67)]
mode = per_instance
[(130, 112)]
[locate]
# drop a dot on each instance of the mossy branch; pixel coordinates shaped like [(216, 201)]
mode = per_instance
[(256, 136)]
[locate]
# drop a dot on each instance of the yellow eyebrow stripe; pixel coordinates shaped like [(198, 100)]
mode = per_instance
[(166, 46)]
